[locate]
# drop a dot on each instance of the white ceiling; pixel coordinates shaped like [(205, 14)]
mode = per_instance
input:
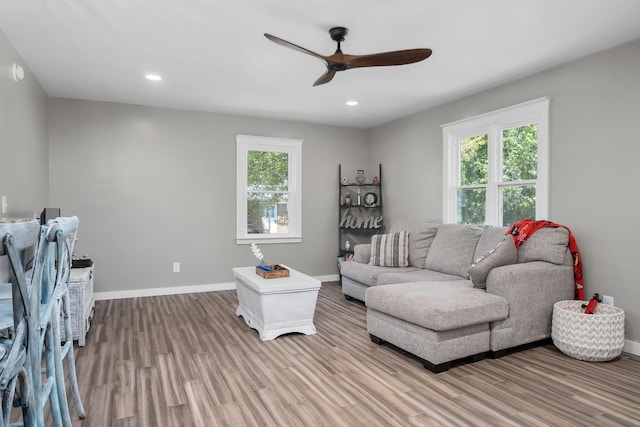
[(213, 56)]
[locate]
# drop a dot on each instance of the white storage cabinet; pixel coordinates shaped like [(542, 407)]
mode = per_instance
[(81, 302)]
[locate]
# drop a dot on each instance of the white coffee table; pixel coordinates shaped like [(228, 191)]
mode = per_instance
[(276, 306)]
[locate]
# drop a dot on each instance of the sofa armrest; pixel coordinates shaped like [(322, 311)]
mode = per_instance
[(531, 289), (362, 253)]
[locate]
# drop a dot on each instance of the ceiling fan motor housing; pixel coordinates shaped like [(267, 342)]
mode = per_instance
[(338, 33), (338, 67)]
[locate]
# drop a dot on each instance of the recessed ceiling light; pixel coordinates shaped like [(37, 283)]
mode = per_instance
[(153, 77), (352, 103)]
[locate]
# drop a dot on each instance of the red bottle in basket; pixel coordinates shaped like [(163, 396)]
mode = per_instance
[(593, 303)]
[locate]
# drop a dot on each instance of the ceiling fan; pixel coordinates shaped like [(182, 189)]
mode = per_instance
[(341, 62)]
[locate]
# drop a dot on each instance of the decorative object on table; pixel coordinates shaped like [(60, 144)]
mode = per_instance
[(345, 180), (347, 245), (375, 180), (596, 337), (593, 303), (257, 252), (267, 271), (360, 178), (370, 200), (274, 271)]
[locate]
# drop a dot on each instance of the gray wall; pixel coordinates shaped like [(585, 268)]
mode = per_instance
[(594, 152), (24, 150), (152, 186)]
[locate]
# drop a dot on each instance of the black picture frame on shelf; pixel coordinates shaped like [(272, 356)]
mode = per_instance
[(370, 200)]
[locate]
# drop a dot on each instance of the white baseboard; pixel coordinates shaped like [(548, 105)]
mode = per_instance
[(174, 290), (631, 347), (328, 278)]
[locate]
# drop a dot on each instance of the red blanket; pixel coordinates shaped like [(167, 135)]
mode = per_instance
[(526, 227)]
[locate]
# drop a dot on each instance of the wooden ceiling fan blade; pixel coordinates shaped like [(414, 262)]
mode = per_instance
[(290, 45), (341, 62), (398, 57), (325, 78)]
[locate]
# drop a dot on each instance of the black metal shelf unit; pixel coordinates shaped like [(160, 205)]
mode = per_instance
[(360, 210)]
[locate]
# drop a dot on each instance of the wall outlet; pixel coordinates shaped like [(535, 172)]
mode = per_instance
[(176, 267), (607, 299)]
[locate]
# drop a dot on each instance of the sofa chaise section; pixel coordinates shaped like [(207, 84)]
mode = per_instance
[(435, 322)]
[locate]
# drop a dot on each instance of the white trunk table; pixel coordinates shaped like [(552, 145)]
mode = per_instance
[(276, 306)]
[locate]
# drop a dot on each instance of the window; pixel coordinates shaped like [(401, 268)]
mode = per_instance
[(269, 182), (496, 166)]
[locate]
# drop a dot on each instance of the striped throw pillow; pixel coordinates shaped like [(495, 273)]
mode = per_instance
[(390, 250)]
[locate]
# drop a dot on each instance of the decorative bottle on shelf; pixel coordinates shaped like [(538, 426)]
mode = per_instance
[(360, 178)]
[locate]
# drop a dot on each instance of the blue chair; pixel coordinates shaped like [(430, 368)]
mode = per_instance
[(16, 369), (51, 273), (38, 302), (62, 234)]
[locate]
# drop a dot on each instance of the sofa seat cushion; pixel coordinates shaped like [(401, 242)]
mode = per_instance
[(368, 274), (415, 276), (439, 306)]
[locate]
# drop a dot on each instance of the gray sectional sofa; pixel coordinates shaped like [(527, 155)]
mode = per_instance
[(459, 291)]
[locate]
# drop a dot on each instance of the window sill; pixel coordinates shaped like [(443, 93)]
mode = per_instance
[(268, 239)]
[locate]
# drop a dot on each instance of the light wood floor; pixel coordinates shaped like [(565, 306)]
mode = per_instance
[(187, 360)]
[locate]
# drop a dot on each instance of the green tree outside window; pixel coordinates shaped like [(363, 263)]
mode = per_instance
[(519, 154), (268, 188)]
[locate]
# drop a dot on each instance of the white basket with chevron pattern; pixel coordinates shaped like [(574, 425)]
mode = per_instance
[(596, 337)]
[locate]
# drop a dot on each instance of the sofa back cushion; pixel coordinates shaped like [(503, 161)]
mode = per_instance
[(390, 250), (421, 235), (546, 244), (491, 237), (452, 249)]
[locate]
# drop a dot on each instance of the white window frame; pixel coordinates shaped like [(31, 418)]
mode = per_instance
[(492, 124), (293, 147)]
